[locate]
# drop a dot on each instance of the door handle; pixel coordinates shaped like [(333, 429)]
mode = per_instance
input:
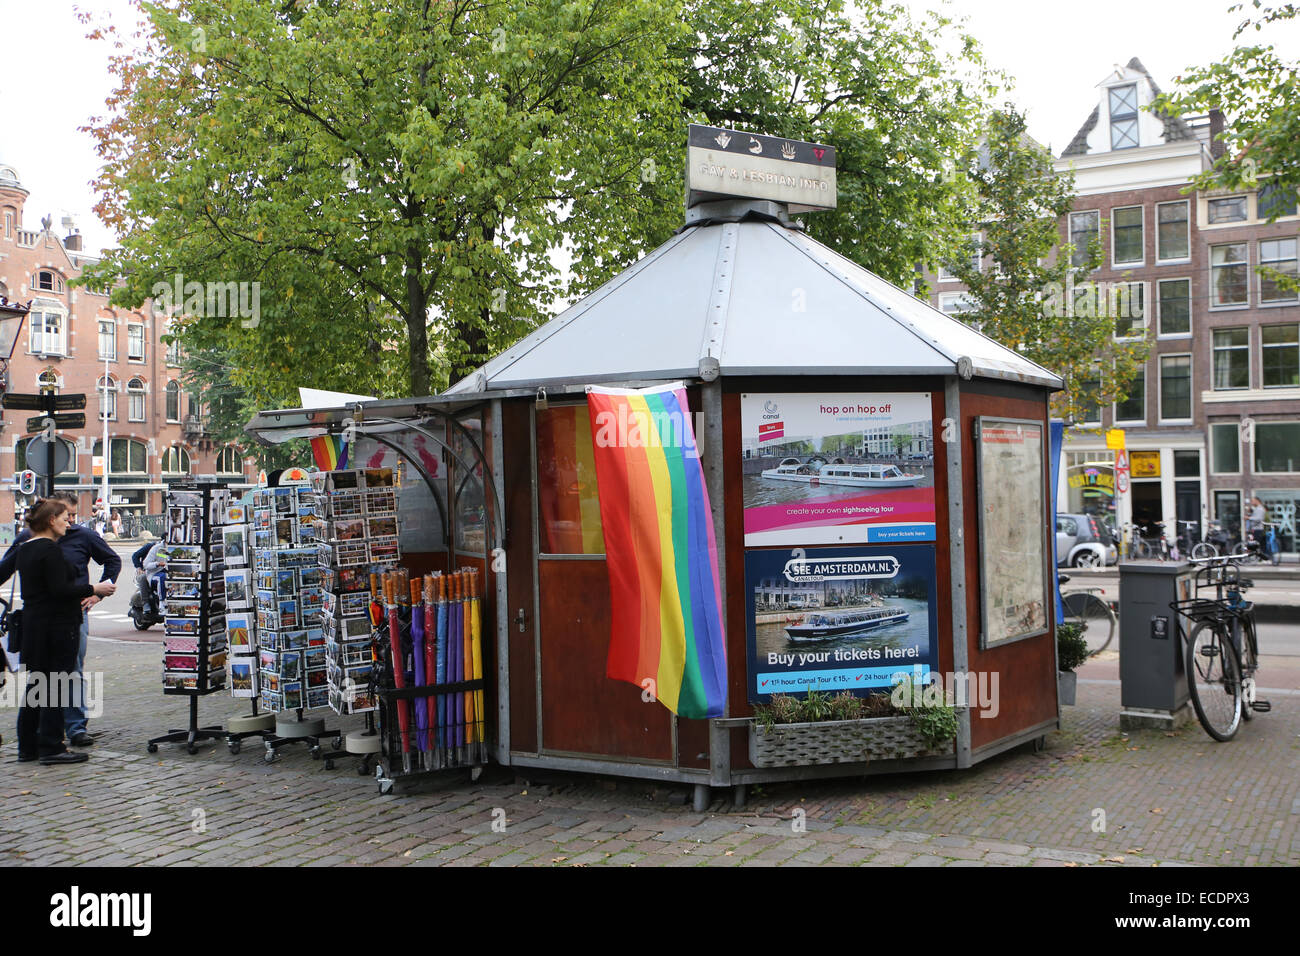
[(522, 620)]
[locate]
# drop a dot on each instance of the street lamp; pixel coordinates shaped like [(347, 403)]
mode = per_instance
[(12, 315)]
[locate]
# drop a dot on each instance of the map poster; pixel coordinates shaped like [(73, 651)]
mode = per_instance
[(1013, 548), (837, 619), (827, 468)]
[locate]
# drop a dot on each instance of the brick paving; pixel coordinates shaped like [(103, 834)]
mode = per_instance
[(1167, 799)]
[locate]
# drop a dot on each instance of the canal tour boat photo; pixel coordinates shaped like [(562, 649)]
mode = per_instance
[(818, 472), (827, 625)]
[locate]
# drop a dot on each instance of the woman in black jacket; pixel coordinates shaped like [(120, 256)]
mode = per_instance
[(51, 623)]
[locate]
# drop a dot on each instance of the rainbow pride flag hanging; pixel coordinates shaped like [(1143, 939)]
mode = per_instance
[(330, 452), (665, 597)]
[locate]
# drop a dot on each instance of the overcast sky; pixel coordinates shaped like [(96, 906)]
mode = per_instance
[(53, 79)]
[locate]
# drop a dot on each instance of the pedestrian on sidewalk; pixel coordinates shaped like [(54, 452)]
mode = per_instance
[(51, 618), (80, 545)]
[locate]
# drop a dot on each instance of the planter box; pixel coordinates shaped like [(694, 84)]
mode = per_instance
[(838, 741), (1066, 685)]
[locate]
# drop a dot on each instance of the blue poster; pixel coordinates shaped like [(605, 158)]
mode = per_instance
[(836, 619)]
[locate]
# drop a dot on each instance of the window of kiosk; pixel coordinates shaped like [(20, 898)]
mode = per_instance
[(467, 486), (568, 508)]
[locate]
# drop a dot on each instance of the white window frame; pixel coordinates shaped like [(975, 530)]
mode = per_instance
[(167, 454), (131, 328), (1214, 350), (1160, 388), (978, 262), (167, 393), (44, 307), (1262, 347), (1236, 431), (1128, 264), (111, 324), (239, 461), (1187, 222), (1146, 308), (1146, 409), (1069, 227), (1246, 264), (1259, 276), (1209, 205), (1135, 117), (134, 397), (109, 413), (1160, 319)]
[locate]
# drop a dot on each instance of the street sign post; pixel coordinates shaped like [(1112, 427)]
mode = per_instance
[(56, 413), (61, 420)]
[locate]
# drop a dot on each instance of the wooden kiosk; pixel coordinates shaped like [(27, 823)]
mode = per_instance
[(794, 358)]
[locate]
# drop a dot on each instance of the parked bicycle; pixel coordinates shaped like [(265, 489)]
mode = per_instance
[(1222, 649), (1086, 608), (1148, 541), (1217, 541), (1252, 550)]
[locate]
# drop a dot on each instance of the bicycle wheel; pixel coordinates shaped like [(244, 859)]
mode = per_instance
[(1094, 616), (1214, 680), (1241, 551), (1204, 550), (1249, 665)]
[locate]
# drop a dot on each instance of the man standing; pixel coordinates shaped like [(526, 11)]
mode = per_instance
[(80, 545), (1255, 522)]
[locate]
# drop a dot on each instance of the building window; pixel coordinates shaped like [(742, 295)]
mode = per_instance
[(173, 402), (1173, 236), (47, 381), (1227, 210), (1273, 201), (1175, 306), (176, 461), (956, 304), (229, 461), (1280, 354), (1134, 408), (107, 389), (135, 342), (1229, 278), (1130, 305), (1175, 387), (107, 340), (135, 400), (174, 346), (1085, 236), (126, 456), (1277, 270), (1123, 117), (1277, 447), (1126, 234), (9, 224), (1090, 413), (48, 331), (1231, 359), (47, 281), (1225, 449)]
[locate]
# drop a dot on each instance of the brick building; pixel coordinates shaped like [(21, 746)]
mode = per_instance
[(1215, 417), (74, 341)]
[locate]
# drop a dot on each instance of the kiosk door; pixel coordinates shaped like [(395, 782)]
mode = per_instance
[(579, 710)]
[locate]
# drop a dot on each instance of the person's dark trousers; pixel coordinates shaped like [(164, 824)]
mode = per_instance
[(40, 719)]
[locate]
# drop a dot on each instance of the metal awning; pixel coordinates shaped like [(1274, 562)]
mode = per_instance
[(757, 298)]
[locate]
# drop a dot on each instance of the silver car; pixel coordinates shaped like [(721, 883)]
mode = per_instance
[(1083, 541)]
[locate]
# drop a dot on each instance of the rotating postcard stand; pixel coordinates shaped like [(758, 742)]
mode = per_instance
[(194, 648)]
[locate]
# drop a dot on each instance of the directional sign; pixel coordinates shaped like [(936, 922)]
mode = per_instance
[(19, 401), (68, 403), (61, 420)]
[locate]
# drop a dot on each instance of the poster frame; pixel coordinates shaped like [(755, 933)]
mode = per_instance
[(980, 423)]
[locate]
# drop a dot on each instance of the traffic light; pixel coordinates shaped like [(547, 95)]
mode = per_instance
[(27, 482)]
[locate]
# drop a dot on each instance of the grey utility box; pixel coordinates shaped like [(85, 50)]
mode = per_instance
[(1153, 685)]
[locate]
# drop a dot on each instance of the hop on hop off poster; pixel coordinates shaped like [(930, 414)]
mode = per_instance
[(837, 468)]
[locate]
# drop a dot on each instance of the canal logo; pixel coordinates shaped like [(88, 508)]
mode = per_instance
[(75, 909), (802, 570)]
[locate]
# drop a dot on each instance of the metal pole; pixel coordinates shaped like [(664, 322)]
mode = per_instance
[(103, 406), (49, 447)]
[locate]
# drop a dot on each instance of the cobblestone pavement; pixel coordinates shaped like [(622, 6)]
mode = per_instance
[(1175, 798)]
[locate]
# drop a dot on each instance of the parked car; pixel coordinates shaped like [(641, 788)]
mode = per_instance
[(1084, 542)]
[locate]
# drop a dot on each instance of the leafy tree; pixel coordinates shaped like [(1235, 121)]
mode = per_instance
[(398, 175), (1258, 92), (1035, 299)]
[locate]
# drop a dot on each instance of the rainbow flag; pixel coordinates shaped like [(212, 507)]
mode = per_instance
[(330, 452), (665, 597)]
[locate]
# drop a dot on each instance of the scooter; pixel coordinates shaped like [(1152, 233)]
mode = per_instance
[(145, 617)]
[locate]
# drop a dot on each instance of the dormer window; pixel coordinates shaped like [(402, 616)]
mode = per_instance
[(47, 281), (1123, 117)]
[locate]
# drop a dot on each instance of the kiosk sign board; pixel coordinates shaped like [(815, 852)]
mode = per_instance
[(836, 619), (837, 468), (722, 163)]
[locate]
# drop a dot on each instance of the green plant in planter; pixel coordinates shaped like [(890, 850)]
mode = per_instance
[(1071, 648), (818, 706), (935, 721)]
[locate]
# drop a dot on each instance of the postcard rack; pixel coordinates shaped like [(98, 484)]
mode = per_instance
[(430, 677), (194, 645)]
